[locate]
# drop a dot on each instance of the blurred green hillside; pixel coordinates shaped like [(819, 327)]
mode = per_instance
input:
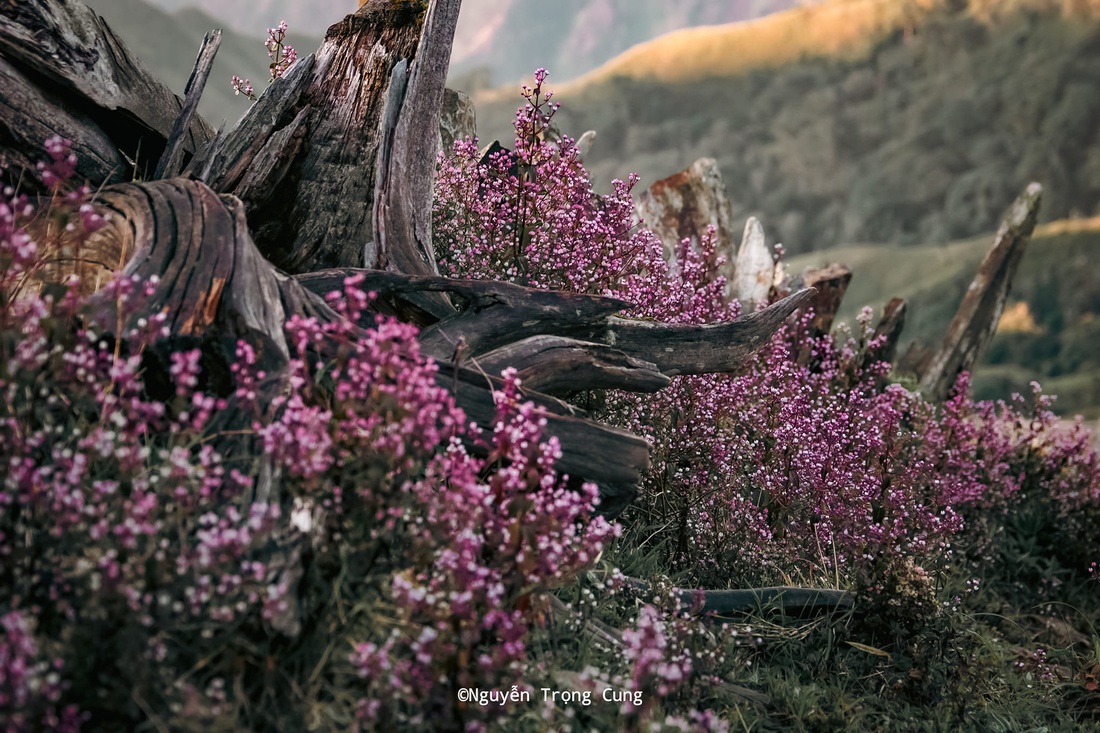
[(924, 131), (1050, 332)]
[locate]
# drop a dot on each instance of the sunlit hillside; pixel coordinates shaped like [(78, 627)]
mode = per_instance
[(922, 130), (829, 28), (1049, 331)]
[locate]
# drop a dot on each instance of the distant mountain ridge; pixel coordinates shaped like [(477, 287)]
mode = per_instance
[(511, 38), (921, 128)]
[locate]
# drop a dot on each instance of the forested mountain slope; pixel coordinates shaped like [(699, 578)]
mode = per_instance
[(509, 38), (921, 129)]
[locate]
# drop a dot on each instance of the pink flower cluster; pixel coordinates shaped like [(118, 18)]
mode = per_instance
[(802, 467), (282, 56), (145, 540), (530, 216), (30, 686), (657, 669)]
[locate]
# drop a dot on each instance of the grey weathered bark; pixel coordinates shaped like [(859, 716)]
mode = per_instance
[(171, 161), (405, 180), (976, 320), (560, 365), (713, 348), (315, 133), (63, 71)]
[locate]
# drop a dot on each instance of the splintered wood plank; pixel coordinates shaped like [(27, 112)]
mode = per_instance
[(976, 320)]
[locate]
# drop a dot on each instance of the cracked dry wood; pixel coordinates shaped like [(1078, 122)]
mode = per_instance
[(316, 212), (64, 72), (976, 320), (215, 288), (493, 314)]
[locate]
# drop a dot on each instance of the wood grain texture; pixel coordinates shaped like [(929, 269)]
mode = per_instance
[(77, 63), (976, 320), (563, 366), (171, 161), (316, 213), (683, 349)]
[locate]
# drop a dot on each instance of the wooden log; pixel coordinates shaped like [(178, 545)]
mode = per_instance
[(494, 314), (831, 283), (214, 288), (172, 159), (682, 349), (888, 329), (29, 116), (557, 365), (61, 63), (915, 359), (755, 268), (614, 459), (264, 144), (683, 205), (976, 320), (216, 284)]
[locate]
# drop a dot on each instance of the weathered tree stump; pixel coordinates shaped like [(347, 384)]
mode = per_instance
[(976, 320), (333, 166), (685, 204), (64, 72)]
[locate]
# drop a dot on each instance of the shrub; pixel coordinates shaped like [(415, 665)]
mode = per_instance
[(262, 558), (803, 467)]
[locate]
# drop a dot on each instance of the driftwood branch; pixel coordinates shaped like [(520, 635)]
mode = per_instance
[(559, 365), (682, 349), (494, 314)]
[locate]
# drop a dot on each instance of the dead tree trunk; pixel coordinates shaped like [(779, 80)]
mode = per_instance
[(330, 171)]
